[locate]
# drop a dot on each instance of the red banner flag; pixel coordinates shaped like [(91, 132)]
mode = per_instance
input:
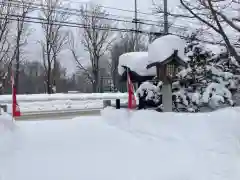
[(15, 108), (131, 97)]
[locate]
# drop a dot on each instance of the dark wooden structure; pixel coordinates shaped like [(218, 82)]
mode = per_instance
[(167, 69)]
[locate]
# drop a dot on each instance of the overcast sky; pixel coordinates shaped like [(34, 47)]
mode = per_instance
[(145, 6), (34, 49)]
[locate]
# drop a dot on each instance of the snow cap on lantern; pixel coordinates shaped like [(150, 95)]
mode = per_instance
[(163, 47), (167, 54)]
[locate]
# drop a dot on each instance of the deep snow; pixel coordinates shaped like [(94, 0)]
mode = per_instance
[(119, 145)]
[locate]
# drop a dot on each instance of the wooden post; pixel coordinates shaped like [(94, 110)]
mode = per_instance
[(117, 103)]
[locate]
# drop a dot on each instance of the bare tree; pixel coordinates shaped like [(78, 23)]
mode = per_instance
[(5, 10), (22, 33), (95, 39), (214, 15), (10, 39), (85, 72), (55, 38)]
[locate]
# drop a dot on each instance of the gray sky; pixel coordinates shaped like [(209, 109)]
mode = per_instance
[(145, 6), (34, 49)]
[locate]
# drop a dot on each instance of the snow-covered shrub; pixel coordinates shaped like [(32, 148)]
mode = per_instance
[(149, 95)]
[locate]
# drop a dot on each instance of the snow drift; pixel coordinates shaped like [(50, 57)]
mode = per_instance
[(123, 145), (187, 146)]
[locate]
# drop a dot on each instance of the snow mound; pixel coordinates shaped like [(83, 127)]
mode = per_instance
[(164, 47), (189, 146), (137, 62)]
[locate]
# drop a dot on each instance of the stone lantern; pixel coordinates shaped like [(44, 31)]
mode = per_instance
[(166, 71)]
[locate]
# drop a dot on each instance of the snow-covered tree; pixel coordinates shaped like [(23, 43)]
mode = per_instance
[(208, 81)]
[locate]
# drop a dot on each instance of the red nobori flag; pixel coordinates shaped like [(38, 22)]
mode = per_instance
[(15, 108), (131, 97)]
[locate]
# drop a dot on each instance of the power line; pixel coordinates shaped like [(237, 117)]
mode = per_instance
[(100, 17), (70, 24), (66, 10), (125, 10), (118, 9), (113, 29), (77, 12), (69, 10), (64, 23)]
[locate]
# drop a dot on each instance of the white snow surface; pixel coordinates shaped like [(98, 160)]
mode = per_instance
[(7, 126), (164, 47), (127, 145), (137, 62)]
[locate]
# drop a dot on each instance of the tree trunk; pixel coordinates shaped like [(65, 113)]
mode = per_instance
[(18, 59), (96, 81), (49, 88)]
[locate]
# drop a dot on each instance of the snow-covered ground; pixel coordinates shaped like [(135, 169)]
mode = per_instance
[(119, 145)]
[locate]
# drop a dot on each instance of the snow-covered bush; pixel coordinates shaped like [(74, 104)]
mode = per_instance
[(149, 95), (208, 81)]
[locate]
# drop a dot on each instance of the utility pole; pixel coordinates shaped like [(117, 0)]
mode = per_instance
[(165, 16), (136, 26), (18, 55)]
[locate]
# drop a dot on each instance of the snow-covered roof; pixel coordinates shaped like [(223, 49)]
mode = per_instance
[(163, 47), (137, 62)]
